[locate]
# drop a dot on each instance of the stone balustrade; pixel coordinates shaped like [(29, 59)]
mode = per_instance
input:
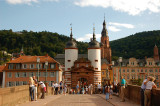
[(20, 94), (132, 92), (11, 96)]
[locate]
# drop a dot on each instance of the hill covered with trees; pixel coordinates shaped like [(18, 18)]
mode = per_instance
[(36, 43), (138, 45)]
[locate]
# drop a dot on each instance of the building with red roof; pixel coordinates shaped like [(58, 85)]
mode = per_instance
[(17, 71), (1, 74)]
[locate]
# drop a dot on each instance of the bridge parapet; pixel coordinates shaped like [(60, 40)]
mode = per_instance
[(12, 95), (132, 92)]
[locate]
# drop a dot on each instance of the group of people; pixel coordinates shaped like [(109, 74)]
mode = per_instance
[(33, 86), (108, 89), (59, 88), (82, 89), (146, 88)]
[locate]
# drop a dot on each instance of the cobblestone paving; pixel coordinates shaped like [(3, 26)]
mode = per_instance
[(79, 100)]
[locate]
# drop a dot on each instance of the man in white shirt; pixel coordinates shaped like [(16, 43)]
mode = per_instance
[(147, 93), (99, 88), (143, 87), (56, 88), (43, 87)]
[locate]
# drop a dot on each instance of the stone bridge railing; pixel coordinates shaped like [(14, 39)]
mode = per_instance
[(11, 96), (132, 92), (20, 94)]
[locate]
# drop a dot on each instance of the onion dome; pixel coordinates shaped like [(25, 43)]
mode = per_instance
[(71, 43), (93, 43)]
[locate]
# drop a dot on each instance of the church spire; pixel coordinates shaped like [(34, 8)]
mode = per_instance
[(71, 35), (104, 30), (94, 36)]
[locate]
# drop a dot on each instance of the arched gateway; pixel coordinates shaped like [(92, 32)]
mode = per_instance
[(82, 72)]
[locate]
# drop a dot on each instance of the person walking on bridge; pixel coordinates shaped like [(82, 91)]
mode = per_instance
[(123, 83)]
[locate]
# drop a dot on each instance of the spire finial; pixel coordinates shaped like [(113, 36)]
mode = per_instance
[(104, 16), (93, 28), (94, 32), (71, 36)]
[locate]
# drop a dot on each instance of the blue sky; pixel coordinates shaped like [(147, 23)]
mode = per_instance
[(123, 17)]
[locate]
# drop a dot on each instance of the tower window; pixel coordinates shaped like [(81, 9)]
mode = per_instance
[(105, 42), (96, 60), (77, 65), (69, 68), (69, 60), (96, 68)]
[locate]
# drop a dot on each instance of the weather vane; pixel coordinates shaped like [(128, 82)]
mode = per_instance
[(71, 26), (93, 28)]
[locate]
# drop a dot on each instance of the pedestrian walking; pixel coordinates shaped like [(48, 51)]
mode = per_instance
[(65, 88), (86, 90), (115, 86), (123, 83), (53, 88), (107, 91), (31, 88), (147, 93), (110, 90), (83, 91), (56, 88), (91, 89), (99, 88), (61, 85), (35, 87), (77, 88)]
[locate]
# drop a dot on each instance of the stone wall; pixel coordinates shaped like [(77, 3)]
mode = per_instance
[(12, 95), (132, 92), (16, 95)]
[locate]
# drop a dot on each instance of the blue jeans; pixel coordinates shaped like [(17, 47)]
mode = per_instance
[(31, 91)]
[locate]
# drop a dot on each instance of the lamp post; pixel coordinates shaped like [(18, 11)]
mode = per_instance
[(38, 61), (107, 76), (113, 69), (120, 61), (46, 65)]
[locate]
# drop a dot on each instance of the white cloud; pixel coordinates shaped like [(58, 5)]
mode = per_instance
[(132, 7), (113, 29), (22, 1), (130, 26), (87, 37), (29, 2)]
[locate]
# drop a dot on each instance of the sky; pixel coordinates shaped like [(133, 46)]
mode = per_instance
[(123, 17)]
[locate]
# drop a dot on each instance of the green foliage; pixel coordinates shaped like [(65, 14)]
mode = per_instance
[(138, 45), (36, 43), (136, 81)]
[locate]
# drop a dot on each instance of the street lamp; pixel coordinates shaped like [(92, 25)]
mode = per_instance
[(120, 61), (38, 61), (113, 69), (46, 64)]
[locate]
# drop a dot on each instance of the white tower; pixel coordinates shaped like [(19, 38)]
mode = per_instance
[(94, 55), (71, 54)]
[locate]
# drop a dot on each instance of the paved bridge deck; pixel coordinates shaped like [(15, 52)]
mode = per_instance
[(79, 100)]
